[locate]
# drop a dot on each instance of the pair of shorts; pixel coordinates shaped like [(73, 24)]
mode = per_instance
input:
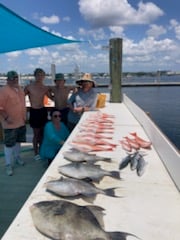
[(12, 136), (64, 115), (38, 117)]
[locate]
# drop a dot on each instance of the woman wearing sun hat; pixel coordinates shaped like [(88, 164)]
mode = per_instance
[(83, 100)]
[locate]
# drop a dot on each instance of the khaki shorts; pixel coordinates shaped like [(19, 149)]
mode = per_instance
[(12, 136)]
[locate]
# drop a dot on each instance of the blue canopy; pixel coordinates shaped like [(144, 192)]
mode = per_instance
[(19, 34)]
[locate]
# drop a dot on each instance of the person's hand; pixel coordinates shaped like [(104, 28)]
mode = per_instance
[(78, 109), (86, 109)]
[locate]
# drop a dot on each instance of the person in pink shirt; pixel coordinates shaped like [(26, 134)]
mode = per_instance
[(13, 118)]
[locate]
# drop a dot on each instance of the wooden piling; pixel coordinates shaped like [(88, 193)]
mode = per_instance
[(115, 62)]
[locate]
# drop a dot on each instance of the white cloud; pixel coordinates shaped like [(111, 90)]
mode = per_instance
[(155, 31), (176, 26), (45, 28), (37, 52), (148, 46), (149, 54), (116, 32), (50, 20), (96, 34), (14, 54), (117, 13)]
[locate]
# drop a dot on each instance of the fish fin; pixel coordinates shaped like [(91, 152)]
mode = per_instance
[(120, 235), (105, 159), (91, 162), (60, 178), (98, 212), (115, 174), (98, 166), (89, 198), (110, 192), (87, 179), (97, 180), (133, 133)]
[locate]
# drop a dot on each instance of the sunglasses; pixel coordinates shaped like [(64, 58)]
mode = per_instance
[(57, 116)]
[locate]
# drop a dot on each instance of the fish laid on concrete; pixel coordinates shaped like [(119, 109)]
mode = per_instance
[(95, 135), (62, 220), (125, 145), (96, 129), (142, 143), (141, 166), (86, 171), (133, 143), (77, 156), (97, 124), (100, 115), (84, 147), (136, 162), (70, 187), (125, 162), (94, 141)]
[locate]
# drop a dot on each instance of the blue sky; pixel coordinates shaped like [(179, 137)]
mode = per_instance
[(150, 31)]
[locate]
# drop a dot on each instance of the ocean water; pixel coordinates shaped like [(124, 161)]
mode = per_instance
[(163, 105)]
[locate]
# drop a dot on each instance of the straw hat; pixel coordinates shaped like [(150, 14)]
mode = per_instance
[(86, 77)]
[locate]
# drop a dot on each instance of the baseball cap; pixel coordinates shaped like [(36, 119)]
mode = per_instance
[(12, 74), (59, 76)]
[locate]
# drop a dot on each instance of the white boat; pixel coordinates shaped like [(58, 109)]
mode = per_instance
[(148, 207)]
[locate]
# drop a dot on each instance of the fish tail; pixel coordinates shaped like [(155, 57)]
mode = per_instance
[(115, 174), (110, 192), (120, 235)]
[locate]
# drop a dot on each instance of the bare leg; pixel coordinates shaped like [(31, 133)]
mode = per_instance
[(37, 139)]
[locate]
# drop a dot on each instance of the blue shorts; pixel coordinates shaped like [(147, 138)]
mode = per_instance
[(12, 136)]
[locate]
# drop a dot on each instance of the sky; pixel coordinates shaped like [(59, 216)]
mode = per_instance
[(150, 31)]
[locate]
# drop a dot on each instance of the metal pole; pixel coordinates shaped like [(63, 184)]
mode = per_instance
[(115, 61), (53, 72)]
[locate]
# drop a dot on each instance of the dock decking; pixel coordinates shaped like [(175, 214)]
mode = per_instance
[(14, 190), (149, 206)]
